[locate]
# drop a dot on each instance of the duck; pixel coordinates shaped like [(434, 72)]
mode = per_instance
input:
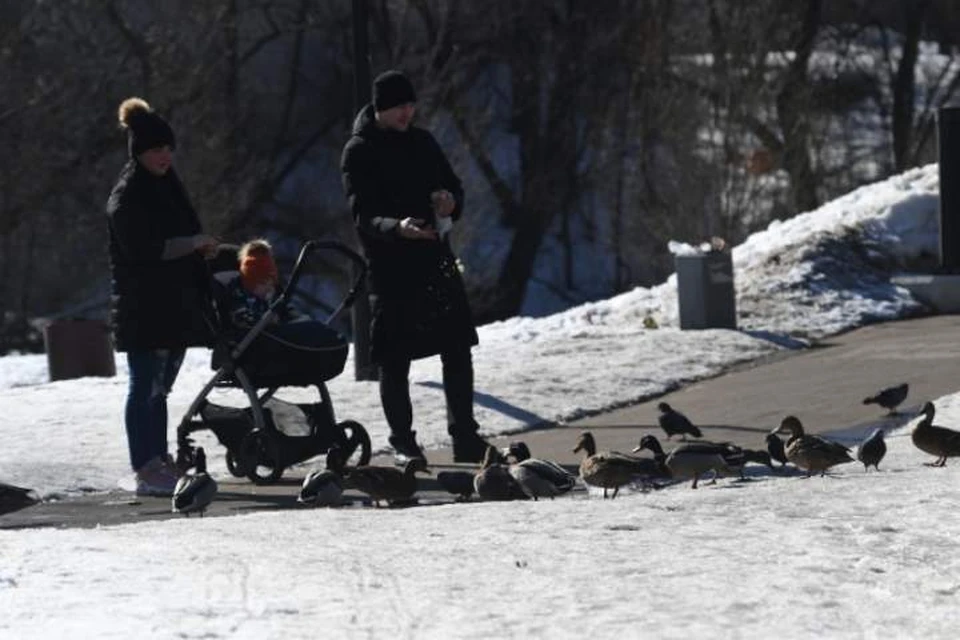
[(808, 452), (889, 398), (693, 459), (324, 487), (388, 484), (675, 423), (775, 448), (650, 443), (871, 451), (538, 478), (493, 480), (457, 483), (611, 469), (935, 440), (14, 498), (194, 492)]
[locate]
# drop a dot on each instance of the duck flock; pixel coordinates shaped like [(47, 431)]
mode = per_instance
[(514, 474)]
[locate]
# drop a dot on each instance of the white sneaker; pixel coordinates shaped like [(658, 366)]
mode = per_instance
[(156, 479)]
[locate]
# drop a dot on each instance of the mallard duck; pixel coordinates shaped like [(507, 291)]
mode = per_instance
[(538, 478), (458, 483), (493, 481), (610, 469), (775, 449), (675, 423), (388, 483), (811, 453), (324, 487), (13, 498), (693, 459), (194, 492), (935, 440), (889, 398), (871, 451)]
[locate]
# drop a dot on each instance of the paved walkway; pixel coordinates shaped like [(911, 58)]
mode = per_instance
[(823, 386)]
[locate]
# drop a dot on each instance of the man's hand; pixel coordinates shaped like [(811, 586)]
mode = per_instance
[(412, 229), (443, 203)]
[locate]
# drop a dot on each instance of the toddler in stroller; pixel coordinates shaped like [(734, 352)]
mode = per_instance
[(264, 343), (292, 348)]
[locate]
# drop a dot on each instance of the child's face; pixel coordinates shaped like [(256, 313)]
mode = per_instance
[(264, 289)]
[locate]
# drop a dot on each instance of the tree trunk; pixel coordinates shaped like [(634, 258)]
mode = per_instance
[(793, 106), (904, 86)]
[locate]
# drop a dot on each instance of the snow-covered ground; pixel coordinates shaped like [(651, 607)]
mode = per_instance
[(856, 555)]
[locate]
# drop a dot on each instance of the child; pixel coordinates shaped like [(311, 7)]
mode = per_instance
[(257, 286), (293, 349)]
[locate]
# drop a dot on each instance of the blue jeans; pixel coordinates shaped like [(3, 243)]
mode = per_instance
[(152, 374)]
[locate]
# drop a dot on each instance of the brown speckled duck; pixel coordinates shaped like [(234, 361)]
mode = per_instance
[(609, 469), (388, 483), (811, 453), (935, 440), (493, 481)]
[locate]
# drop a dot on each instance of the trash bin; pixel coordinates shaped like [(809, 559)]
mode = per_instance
[(705, 290), (78, 348)]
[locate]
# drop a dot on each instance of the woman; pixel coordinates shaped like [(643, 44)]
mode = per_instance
[(159, 286)]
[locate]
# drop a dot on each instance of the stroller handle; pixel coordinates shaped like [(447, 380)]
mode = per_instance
[(326, 245)]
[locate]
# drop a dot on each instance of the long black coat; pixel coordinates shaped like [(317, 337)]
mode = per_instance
[(156, 303), (420, 307)]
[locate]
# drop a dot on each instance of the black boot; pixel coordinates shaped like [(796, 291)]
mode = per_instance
[(405, 447), (469, 447)]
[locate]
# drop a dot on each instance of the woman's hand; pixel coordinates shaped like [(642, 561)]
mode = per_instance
[(412, 229), (206, 245)]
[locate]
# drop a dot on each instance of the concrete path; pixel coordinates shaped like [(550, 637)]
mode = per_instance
[(824, 386)]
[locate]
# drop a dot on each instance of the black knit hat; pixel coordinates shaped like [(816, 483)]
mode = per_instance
[(146, 129), (391, 89)]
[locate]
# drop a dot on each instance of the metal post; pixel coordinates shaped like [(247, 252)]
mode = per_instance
[(948, 138), (364, 369)]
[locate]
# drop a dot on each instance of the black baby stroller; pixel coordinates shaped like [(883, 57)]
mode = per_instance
[(269, 435)]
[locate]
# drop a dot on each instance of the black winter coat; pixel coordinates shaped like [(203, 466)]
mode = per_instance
[(157, 304), (420, 306)]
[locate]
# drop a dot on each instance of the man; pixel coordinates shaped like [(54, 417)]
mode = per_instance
[(404, 197)]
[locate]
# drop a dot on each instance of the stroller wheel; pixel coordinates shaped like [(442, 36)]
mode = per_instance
[(234, 465), (259, 457), (356, 444)]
